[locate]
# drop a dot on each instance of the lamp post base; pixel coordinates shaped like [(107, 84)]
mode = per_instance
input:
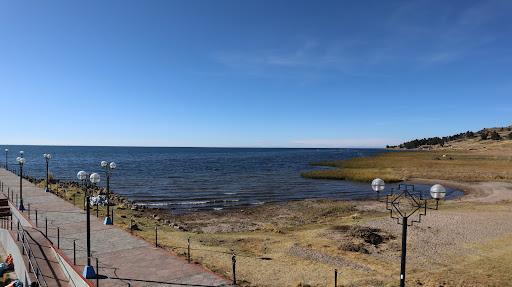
[(47, 190), (107, 221), (21, 207), (89, 272)]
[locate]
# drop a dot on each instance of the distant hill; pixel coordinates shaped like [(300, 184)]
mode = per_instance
[(467, 140)]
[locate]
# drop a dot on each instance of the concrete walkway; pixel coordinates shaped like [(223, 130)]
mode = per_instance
[(124, 260)]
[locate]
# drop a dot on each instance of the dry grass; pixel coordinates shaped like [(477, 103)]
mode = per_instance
[(469, 166), (476, 144)]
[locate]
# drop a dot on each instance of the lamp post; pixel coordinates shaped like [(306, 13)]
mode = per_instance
[(405, 203), (88, 271), (6, 152), (21, 162), (47, 158), (109, 167)]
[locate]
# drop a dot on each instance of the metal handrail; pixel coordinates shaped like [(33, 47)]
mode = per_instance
[(32, 263)]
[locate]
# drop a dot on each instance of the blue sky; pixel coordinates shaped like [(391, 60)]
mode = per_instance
[(252, 73)]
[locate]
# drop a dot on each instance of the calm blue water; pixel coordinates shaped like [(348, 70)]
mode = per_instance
[(184, 179)]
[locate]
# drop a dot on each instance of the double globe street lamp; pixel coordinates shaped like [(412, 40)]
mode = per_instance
[(403, 204), (47, 158), (109, 167), (94, 178), (21, 162)]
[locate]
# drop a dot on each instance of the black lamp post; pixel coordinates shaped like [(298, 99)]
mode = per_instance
[(109, 167), (6, 152), (403, 204), (21, 162), (88, 271), (47, 158)]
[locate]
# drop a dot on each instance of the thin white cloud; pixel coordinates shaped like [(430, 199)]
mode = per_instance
[(307, 55), (307, 59)]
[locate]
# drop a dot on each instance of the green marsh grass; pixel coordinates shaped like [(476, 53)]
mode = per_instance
[(399, 166)]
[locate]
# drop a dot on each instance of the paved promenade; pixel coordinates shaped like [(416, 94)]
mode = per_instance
[(124, 260)]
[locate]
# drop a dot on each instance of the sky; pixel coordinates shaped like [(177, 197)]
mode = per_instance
[(252, 73)]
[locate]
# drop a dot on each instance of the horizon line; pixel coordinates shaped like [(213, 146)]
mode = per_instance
[(234, 147)]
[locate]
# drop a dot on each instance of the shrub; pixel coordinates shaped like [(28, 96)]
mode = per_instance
[(484, 135), (495, 136), (509, 136), (354, 247)]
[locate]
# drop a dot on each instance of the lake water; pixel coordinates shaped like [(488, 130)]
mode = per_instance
[(187, 179)]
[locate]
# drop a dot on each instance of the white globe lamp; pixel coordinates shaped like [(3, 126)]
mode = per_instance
[(437, 192), (378, 185)]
